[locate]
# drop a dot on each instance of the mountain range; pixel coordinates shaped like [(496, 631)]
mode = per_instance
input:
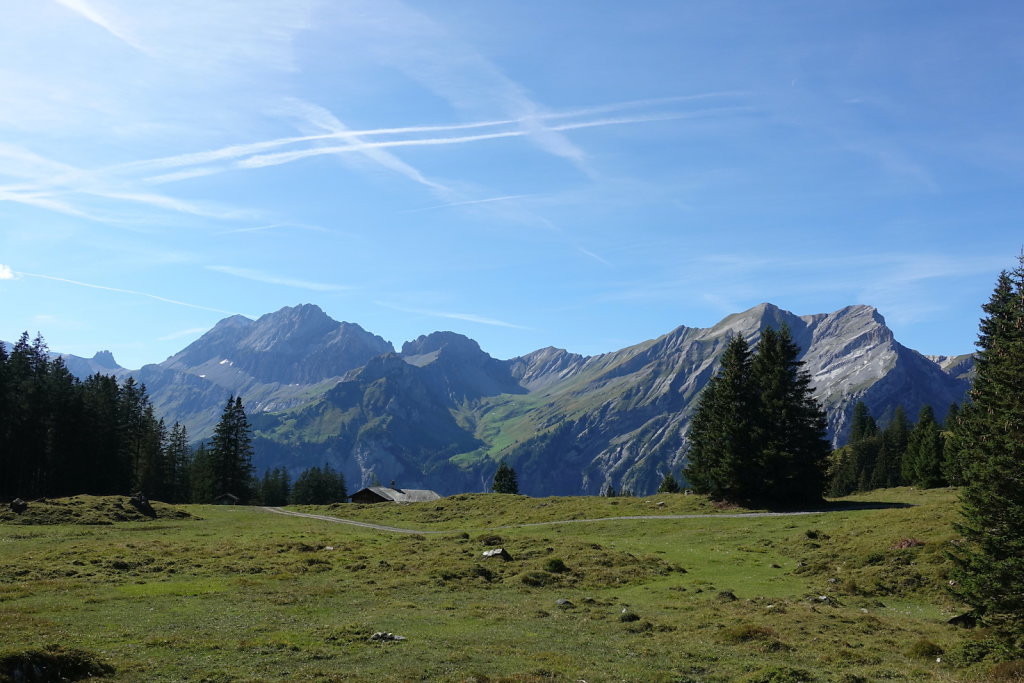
[(441, 413)]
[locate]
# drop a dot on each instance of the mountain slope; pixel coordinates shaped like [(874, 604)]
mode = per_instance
[(442, 413), (569, 423), (279, 361)]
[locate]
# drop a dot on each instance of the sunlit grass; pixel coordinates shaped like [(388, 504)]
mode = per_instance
[(241, 594)]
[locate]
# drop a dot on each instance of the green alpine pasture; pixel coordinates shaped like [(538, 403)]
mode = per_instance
[(857, 593)]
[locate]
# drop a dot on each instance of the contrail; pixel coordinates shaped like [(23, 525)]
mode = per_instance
[(126, 291)]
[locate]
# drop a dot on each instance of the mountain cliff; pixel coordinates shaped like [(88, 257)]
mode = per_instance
[(442, 413)]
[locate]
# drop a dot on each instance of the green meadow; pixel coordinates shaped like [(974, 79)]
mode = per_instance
[(207, 593)]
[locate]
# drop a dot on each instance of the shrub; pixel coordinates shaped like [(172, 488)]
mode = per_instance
[(555, 566), (924, 649), (536, 578)]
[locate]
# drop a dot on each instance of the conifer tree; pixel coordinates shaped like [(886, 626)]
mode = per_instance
[(668, 484), (989, 562), (201, 475), (952, 469), (791, 425), (275, 489), (922, 462), (177, 462), (721, 445), (231, 452), (505, 480), (862, 425), (316, 486), (888, 464)]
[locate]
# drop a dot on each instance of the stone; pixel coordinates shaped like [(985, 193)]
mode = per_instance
[(384, 636), (726, 596), (500, 553), (18, 506), (563, 603), (965, 620), (141, 503)]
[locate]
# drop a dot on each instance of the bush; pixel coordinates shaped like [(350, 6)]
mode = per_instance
[(924, 649), (536, 578), (555, 566)]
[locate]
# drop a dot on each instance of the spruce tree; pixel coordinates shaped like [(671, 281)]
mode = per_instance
[(720, 440), (177, 462), (952, 468), (668, 484), (888, 465), (922, 462), (791, 426), (505, 480), (989, 571), (231, 452)]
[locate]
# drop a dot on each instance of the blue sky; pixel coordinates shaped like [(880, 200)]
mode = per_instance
[(585, 174)]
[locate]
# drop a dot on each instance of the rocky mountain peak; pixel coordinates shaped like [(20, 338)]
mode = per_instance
[(105, 359), (438, 341), (294, 345)]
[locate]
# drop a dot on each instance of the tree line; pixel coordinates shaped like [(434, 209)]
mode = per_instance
[(61, 436), (924, 455)]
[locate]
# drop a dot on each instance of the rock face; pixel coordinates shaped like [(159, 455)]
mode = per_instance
[(274, 363), (441, 413)]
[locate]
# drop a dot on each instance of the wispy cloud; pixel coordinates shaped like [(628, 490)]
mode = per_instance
[(259, 276), (467, 317), (276, 226), (123, 291), (319, 117), (488, 200), (273, 159), (104, 21), (5, 272)]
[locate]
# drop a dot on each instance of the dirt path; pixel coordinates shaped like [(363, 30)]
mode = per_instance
[(399, 530)]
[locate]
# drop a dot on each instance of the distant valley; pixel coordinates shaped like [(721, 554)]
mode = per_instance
[(441, 413)]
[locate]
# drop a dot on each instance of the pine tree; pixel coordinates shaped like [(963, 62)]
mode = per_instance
[(668, 484), (758, 435), (922, 462), (275, 489), (316, 486), (201, 475), (888, 464), (952, 469), (177, 462), (791, 426), (720, 441), (231, 452), (505, 480), (989, 571), (862, 425)]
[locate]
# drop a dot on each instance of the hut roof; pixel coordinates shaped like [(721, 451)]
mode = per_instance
[(402, 495)]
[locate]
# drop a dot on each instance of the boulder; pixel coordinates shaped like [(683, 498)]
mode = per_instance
[(500, 553), (18, 506), (141, 503)]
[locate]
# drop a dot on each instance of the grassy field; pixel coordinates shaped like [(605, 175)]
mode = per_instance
[(239, 594)]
